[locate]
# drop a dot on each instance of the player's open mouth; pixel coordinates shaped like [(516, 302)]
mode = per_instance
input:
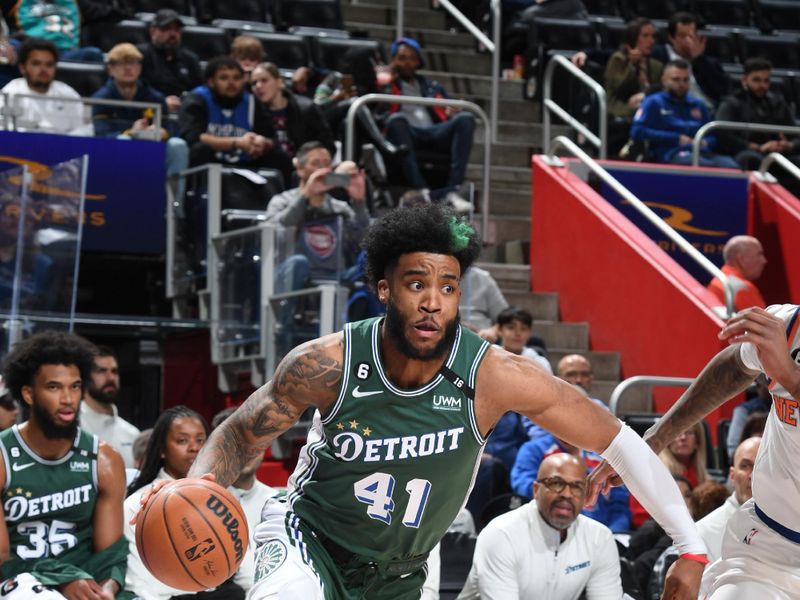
[(426, 328), (66, 414)]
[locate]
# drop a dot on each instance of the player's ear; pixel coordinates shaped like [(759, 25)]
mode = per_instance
[(383, 291), (27, 394)]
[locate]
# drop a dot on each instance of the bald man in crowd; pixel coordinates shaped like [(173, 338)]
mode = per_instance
[(744, 263), (547, 544), (712, 526)]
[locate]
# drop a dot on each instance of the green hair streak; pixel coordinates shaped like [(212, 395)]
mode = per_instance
[(460, 234)]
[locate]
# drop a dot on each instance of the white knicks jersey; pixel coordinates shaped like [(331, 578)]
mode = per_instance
[(776, 476)]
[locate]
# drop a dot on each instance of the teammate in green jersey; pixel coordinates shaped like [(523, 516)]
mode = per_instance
[(404, 405), (61, 526)]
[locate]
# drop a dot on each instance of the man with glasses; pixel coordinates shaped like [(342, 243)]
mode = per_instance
[(546, 548)]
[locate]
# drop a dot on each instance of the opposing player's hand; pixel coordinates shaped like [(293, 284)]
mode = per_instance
[(84, 589), (683, 580), (600, 481), (154, 489), (768, 334)]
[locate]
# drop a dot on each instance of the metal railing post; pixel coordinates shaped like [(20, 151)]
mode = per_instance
[(400, 21), (600, 141), (624, 386), (463, 104), (736, 126), (780, 159), (566, 143)]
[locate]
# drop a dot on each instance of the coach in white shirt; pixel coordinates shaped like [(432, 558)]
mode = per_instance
[(546, 549), (48, 112), (712, 526)]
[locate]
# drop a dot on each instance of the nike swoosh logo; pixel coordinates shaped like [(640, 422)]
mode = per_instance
[(18, 467), (359, 394)]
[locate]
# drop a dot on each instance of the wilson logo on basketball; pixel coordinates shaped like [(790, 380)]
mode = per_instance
[(200, 549), (230, 522)]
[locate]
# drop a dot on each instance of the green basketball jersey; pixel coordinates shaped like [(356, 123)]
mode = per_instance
[(49, 504), (385, 472)]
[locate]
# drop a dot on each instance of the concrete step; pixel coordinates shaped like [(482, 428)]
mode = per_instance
[(386, 15), (464, 85), (605, 365), (523, 111), (542, 305), (393, 3), (515, 277), (507, 229), (602, 391), (503, 175), (457, 61), (563, 336), (427, 38), (509, 202), (503, 153)]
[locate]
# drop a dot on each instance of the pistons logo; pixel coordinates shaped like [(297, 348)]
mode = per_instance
[(320, 239)]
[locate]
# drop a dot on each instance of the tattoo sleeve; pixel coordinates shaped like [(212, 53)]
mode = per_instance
[(722, 378), (306, 377)]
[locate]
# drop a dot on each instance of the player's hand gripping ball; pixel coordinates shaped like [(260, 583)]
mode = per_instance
[(192, 534)]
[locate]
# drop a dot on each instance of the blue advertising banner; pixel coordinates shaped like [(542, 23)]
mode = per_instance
[(705, 206), (125, 197)]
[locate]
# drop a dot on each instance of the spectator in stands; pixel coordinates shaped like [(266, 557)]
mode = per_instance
[(744, 263), (99, 414), (685, 456), (217, 119), (630, 74), (58, 22), (418, 127), (248, 52), (755, 103), (286, 120), (140, 446), (48, 457), (707, 497), (252, 495), (124, 83), (9, 409), (178, 434), (312, 201), (514, 326), (9, 48), (168, 67), (669, 119), (612, 511), (481, 302), (547, 545), (707, 80), (50, 110), (712, 526)]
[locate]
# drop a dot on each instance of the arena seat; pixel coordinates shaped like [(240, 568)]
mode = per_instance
[(723, 461), (284, 49), (236, 27), (724, 12), (602, 7), (147, 17), (311, 13), (777, 15), (782, 51), (129, 30), (564, 34), (245, 10), (85, 78), (722, 44), (328, 52), (182, 7), (654, 10), (206, 41)]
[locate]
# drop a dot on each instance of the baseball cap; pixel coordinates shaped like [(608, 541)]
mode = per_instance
[(411, 43), (166, 16)]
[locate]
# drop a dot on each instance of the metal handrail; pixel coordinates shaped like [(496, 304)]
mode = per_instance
[(624, 386), (756, 127), (491, 46), (599, 141), (157, 108), (780, 159), (350, 131), (566, 143)]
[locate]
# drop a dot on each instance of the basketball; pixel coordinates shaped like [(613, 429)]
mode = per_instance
[(192, 535)]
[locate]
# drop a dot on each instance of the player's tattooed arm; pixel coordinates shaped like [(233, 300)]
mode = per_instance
[(722, 378), (310, 375)]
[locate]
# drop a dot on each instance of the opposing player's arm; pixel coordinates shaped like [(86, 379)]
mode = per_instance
[(511, 382), (309, 375), (722, 378), (107, 517)]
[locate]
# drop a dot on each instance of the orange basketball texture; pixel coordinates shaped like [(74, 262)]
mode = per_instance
[(192, 535)]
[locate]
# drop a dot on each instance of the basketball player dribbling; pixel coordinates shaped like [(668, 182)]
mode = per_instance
[(404, 405), (761, 545)]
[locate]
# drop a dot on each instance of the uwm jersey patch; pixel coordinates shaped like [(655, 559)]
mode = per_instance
[(394, 465)]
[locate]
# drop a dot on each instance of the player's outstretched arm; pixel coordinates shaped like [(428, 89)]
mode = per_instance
[(310, 375)]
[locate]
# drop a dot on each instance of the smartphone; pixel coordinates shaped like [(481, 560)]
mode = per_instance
[(340, 180)]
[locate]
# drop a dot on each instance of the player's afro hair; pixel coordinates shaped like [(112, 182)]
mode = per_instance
[(430, 228), (47, 348)]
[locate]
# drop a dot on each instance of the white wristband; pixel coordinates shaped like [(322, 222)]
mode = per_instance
[(653, 486)]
